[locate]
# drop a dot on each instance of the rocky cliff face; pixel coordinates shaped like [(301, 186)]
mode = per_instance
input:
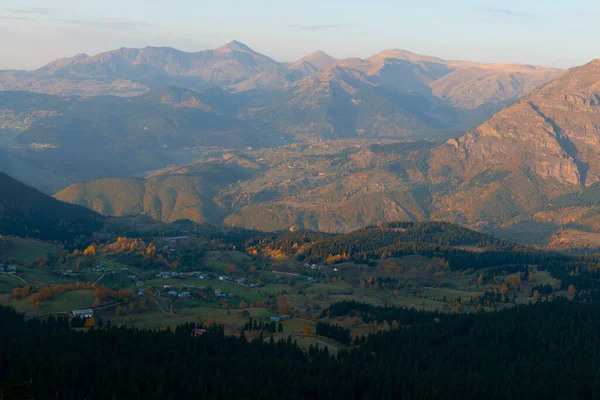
[(545, 145)]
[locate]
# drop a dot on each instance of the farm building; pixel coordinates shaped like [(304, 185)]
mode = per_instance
[(85, 313), (291, 273), (198, 332)]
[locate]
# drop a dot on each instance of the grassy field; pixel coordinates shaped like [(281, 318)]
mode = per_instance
[(8, 283), (156, 319), (27, 251), (439, 293), (40, 276), (305, 341), (64, 302)]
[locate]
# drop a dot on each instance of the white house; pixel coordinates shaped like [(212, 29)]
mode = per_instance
[(85, 313)]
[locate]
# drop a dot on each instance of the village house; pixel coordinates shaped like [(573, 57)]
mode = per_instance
[(274, 319), (140, 283), (83, 314), (172, 293), (291, 273), (166, 286), (198, 332), (11, 268), (1, 269)]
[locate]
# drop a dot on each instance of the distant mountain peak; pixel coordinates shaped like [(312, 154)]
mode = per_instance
[(405, 55), (317, 54), (235, 45), (317, 58)]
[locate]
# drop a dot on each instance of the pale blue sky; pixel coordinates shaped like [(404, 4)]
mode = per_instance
[(551, 32)]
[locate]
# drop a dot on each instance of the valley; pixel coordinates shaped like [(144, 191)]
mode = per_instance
[(226, 277), (369, 200), (131, 111)]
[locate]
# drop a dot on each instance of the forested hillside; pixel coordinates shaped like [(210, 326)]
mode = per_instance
[(548, 350)]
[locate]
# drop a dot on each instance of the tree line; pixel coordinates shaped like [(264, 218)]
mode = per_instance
[(547, 350)]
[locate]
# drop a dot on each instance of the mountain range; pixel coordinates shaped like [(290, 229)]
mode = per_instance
[(505, 176), (230, 136), (130, 71), (131, 111)]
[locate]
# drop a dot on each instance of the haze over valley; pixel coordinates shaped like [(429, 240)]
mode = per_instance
[(354, 200), (231, 136)]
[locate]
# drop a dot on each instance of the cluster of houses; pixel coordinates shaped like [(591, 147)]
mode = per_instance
[(311, 266), (10, 269), (173, 242), (186, 291), (101, 268), (239, 281), (174, 293), (220, 294), (174, 274), (83, 314), (69, 273)]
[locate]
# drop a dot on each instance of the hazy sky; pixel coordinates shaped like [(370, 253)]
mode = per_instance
[(550, 32)]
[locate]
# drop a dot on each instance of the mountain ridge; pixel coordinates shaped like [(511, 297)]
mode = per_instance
[(26, 212), (129, 71), (499, 176)]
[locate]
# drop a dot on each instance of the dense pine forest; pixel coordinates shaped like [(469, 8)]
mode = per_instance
[(546, 350)]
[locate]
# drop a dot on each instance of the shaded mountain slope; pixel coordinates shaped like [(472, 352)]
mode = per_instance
[(25, 211)]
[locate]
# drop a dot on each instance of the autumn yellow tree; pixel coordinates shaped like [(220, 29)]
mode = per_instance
[(17, 293), (90, 251), (283, 304), (571, 290), (90, 323), (306, 330)]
